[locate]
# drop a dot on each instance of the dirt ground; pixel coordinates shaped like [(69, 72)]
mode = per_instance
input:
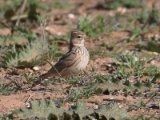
[(102, 62)]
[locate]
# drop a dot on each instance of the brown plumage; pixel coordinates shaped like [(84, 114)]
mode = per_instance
[(74, 61)]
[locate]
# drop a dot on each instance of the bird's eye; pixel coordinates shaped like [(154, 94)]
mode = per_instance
[(78, 36)]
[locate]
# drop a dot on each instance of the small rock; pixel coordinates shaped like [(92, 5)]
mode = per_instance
[(36, 68), (71, 16), (28, 104)]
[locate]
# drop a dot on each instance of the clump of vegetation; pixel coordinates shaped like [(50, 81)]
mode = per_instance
[(27, 56), (46, 109), (54, 51), (150, 17), (16, 11), (135, 65), (22, 50), (93, 27), (151, 45), (81, 92), (54, 5), (114, 4), (7, 89), (17, 40), (61, 5), (7, 7)]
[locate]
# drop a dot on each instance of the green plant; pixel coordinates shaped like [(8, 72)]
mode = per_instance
[(136, 32), (142, 118), (6, 89), (24, 49), (108, 46), (143, 16), (11, 40), (54, 51), (151, 70), (60, 38), (132, 62), (150, 17), (7, 116), (8, 8), (46, 109), (93, 27), (61, 5), (54, 5), (17, 10), (27, 56), (122, 3), (151, 45), (132, 67), (81, 92)]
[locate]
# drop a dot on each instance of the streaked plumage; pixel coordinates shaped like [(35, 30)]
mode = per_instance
[(74, 61)]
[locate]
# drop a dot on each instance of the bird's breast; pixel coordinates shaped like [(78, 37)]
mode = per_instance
[(82, 62), (84, 59)]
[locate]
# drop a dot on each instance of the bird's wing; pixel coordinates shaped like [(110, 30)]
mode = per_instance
[(69, 59)]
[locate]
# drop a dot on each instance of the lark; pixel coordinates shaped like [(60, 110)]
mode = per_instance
[(74, 61)]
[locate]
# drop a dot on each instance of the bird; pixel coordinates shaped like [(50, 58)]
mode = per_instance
[(74, 61)]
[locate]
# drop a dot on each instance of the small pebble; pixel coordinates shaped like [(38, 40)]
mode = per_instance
[(71, 16), (36, 68)]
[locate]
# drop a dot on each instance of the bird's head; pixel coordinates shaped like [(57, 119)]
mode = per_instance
[(77, 38)]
